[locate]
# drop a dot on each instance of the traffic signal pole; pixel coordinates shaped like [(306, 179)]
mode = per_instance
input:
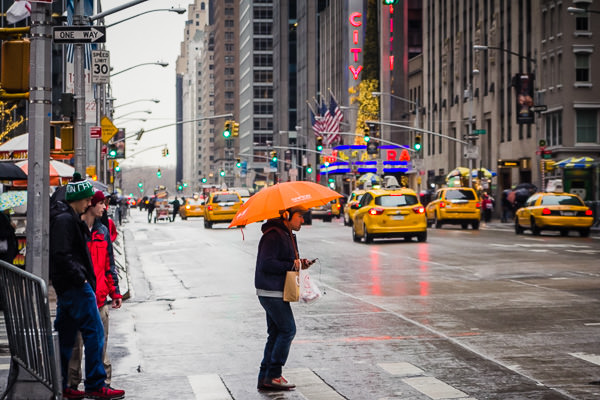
[(79, 87), (40, 109)]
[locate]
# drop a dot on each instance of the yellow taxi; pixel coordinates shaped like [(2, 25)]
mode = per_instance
[(454, 205), (554, 211), (193, 207), (221, 207), (389, 213), (353, 199)]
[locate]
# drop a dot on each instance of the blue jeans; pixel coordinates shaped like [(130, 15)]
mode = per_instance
[(76, 310), (281, 329)]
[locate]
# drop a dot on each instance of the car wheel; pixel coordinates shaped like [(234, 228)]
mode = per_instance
[(564, 232), (422, 237), (326, 219), (355, 237), (518, 228), (368, 238), (534, 228), (207, 224), (464, 226), (475, 225), (184, 218), (436, 221), (584, 232)]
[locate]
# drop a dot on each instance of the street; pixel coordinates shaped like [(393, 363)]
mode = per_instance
[(468, 314)]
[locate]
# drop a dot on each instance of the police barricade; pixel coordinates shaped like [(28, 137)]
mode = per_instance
[(34, 357)]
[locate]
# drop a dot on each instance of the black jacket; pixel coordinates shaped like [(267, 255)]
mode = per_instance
[(275, 256), (70, 261)]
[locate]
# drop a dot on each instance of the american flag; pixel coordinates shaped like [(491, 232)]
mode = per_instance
[(334, 117)]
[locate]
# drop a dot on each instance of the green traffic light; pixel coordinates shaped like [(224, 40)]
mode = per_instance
[(319, 148), (226, 133), (417, 146), (308, 170), (203, 180), (367, 138), (222, 173)]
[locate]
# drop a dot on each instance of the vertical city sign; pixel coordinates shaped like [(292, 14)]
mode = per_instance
[(356, 41)]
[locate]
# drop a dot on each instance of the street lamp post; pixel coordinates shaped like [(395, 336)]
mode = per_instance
[(161, 63), (137, 101), (579, 11), (176, 10), (132, 112)]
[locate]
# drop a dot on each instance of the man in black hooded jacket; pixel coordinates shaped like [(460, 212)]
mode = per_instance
[(74, 280)]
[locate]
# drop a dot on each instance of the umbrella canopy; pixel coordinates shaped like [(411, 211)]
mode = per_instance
[(12, 199), (59, 172), (272, 200), (9, 171), (576, 162), (486, 173), (458, 171)]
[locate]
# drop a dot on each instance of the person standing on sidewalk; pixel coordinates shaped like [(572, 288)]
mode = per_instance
[(72, 275), (107, 284), (277, 254)]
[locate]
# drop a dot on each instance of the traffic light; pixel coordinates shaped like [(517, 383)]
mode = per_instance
[(274, 156), (165, 151), (389, 2), (117, 167), (222, 173), (309, 169), (140, 184), (179, 187), (319, 143), (235, 129), (112, 151), (158, 173), (227, 130), (417, 145), (238, 163), (67, 139), (15, 66), (366, 132), (203, 180)]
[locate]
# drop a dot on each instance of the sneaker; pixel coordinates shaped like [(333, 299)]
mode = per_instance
[(278, 384), (73, 393), (105, 392)]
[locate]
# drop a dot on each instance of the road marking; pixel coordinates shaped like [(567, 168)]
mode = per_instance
[(208, 387), (592, 324), (434, 388), (311, 385), (401, 369), (592, 358)]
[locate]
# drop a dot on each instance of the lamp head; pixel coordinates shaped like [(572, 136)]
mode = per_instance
[(178, 10)]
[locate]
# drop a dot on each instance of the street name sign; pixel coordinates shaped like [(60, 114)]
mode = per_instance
[(108, 129), (100, 66), (79, 34), (479, 132)]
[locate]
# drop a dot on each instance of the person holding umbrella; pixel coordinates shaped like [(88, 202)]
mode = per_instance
[(277, 254)]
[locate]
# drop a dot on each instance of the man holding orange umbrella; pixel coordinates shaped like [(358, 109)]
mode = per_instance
[(277, 254)]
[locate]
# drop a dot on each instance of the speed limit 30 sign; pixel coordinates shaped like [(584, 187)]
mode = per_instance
[(100, 66)]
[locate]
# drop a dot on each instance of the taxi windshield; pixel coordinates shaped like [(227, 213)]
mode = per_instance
[(195, 202), (398, 200), (561, 201), (225, 198)]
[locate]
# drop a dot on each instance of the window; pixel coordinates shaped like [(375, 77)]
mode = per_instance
[(229, 95), (554, 128), (229, 36), (229, 83), (229, 59), (228, 11), (582, 23), (229, 23), (582, 67), (587, 126)]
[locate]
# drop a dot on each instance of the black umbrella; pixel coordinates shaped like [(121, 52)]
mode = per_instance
[(9, 171)]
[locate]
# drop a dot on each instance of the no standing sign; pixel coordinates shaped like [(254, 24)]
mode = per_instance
[(100, 66)]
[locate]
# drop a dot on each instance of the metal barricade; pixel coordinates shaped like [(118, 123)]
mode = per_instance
[(33, 346)]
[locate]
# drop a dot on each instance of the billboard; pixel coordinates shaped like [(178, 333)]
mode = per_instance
[(524, 84)]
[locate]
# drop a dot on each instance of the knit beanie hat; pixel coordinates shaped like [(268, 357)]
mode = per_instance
[(78, 188), (97, 198)]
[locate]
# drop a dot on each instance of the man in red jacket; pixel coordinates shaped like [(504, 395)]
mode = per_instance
[(101, 252)]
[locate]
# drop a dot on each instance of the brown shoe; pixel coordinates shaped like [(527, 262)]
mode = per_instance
[(278, 384)]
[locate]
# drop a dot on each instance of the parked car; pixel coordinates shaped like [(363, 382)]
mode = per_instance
[(554, 211), (353, 198), (328, 211), (455, 205), (221, 207), (389, 213)]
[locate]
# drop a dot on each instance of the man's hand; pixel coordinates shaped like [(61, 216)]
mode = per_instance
[(306, 263), (116, 303)]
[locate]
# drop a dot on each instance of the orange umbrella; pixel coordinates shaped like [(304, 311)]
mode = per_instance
[(59, 172), (272, 200)]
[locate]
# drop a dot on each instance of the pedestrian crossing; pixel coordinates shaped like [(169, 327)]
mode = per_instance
[(4, 352)]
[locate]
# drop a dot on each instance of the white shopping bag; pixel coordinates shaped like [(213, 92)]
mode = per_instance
[(309, 291)]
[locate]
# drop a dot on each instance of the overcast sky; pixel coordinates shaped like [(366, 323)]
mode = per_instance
[(149, 38)]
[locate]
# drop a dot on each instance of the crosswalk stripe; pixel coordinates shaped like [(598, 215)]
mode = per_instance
[(310, 385), (593, 358), (434, 388), (208, 387), (401, 369)]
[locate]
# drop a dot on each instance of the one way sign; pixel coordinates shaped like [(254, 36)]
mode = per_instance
[(79, 34)]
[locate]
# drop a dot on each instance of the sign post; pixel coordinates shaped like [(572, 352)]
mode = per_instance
[(79, 34)]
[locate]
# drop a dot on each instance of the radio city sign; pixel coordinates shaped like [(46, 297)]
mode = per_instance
[(356, 30)]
